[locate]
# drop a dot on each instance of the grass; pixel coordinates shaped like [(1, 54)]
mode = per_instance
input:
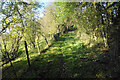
[(67, 57)]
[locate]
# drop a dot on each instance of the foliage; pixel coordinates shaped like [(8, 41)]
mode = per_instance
[(78, 61), (72, 39)]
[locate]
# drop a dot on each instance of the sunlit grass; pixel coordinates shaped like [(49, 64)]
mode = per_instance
[(79, 60)]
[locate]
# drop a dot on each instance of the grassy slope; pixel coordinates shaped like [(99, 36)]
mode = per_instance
[(67, 57)]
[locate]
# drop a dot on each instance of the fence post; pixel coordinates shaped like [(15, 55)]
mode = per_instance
[(26, 49)]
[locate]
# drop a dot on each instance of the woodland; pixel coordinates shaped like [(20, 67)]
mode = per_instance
[(70, 40)]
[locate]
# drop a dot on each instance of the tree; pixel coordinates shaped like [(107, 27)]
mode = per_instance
[(16, 22)]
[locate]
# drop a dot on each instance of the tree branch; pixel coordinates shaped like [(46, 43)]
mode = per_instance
[(111, 5), (5, 27)]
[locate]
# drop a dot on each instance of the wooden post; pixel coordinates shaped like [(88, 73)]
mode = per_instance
[(26, 49)]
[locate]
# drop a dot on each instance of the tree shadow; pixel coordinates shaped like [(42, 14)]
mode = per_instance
[(60, 39), (79, 62)]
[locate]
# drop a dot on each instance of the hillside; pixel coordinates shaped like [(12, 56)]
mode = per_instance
[(67, 57), (60, 39)]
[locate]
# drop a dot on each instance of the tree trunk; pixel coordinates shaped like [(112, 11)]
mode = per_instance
[(112, 17), (11, 64), (17, 47), (33, 44), (27, 54), (12, 51), (9, 60), (107, 29), (46, 42), (38, 45), (104, 38)]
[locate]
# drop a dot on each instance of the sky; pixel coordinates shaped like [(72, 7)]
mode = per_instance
[(39, 10), (42, 9)]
